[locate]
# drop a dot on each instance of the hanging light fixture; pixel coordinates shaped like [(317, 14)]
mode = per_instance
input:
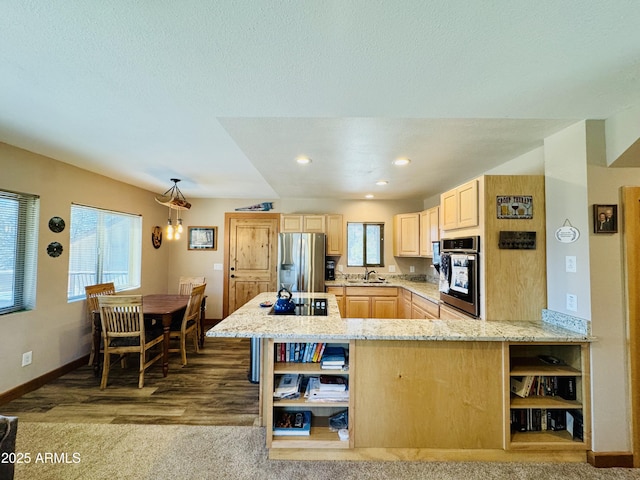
[(174, 199)]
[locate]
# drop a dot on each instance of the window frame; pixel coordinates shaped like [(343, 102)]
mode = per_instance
[(99, 249), (380, 245), (24, 243)]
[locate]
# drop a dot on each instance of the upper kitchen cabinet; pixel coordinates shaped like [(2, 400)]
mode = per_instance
[(329, 224), (335, 237), (406, 235), (302, 223), (460, 206), (429, 230)]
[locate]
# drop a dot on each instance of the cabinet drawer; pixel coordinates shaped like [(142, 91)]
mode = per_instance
[(372, 291), (335, 290), (426, 305)]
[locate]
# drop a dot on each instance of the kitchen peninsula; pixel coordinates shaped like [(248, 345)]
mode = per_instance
[(424, 389)]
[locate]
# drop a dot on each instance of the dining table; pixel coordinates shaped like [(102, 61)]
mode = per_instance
[(155, 307)]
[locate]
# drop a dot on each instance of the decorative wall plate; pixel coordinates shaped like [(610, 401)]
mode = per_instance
[(54, 249), (56, 224), (156, 236)]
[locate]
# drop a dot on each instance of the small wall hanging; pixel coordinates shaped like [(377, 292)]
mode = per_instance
[(567, 233)]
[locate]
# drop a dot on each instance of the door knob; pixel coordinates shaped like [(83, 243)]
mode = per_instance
[(233, 276)]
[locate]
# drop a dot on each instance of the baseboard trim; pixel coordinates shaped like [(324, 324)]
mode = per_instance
[(36, 383), (610, 459)]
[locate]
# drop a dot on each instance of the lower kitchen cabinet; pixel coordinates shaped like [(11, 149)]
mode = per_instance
[(339, 293), (421, 308), (371, 302)]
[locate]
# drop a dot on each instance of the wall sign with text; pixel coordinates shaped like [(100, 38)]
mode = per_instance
[(514, 206)]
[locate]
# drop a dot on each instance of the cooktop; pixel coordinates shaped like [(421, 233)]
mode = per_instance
[(306, 306)]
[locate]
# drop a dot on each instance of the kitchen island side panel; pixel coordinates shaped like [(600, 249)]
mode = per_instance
[(417, 394)]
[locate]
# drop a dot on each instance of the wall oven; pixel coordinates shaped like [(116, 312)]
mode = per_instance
[(459, 274)]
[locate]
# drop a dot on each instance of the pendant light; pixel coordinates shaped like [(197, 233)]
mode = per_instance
[(174, 199)]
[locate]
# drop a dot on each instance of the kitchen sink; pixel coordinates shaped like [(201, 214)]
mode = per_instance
[(365, 281)]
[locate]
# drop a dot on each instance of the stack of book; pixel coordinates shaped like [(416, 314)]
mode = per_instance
[(327, 388), (291, 423), (333, 358), (287, 386)]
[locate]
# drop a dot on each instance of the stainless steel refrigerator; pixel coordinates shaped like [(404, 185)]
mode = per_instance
[(301, 262), (300, 269)]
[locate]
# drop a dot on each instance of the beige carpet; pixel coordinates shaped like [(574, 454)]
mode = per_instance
[(122, 452)]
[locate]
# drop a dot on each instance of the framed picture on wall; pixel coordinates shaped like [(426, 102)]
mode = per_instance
[(203, 238), (605, 218)]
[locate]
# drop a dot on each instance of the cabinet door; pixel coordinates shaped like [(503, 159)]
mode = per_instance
[(406, 235), (335, 235), (358, 307), (291, 223), (449, 206), (468, 204), (429, 230), (384, 307), (313, 223)]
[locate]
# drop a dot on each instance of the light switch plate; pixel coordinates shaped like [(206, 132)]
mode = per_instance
[(570, 263), (572, 302)]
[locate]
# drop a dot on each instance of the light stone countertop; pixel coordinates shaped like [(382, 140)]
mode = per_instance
[(424, 289), (253, 321)]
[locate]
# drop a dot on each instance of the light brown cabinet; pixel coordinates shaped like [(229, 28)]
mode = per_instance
[(429, 230), (460, 206), (371, 302), (406, 235), (329, 224), (292, 223), (421, 308), (335, 236)]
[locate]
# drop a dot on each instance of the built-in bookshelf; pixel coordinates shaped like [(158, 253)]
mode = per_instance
[(548, 396), (322, 433)]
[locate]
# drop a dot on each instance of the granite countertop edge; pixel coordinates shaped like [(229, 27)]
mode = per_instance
[(253, 321)]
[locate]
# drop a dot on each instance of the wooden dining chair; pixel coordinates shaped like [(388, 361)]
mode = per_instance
[(123, 332), (92, 293), (185, 284), (190, 323)]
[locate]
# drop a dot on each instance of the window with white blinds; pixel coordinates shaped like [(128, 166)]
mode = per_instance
[(105, 246), (18, 251)]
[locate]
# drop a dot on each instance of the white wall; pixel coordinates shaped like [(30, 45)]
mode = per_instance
[(58, 332), (566, 199)]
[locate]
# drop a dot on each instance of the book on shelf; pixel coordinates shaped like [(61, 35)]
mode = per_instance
[(303, 352), (287, 385), (574, 423), (542, 419), (314, 393), (333, 383), (521, 386), (333, 357), (292, 423)]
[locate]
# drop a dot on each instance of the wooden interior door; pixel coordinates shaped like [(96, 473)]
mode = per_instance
[(631, 224), (251, 246)]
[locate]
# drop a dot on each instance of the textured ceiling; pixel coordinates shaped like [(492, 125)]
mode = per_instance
[(225, 94)]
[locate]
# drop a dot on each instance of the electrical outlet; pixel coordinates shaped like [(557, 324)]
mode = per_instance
[(340, 268), (27, 357), (412, 269), (570, 263), (572, 302), (392, 269)]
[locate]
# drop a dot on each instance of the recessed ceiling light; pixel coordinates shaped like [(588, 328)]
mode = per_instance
[(303, 160), (368, 196), (401, 161), (382, 182)]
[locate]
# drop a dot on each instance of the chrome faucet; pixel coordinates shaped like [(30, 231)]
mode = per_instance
[(367, 273)]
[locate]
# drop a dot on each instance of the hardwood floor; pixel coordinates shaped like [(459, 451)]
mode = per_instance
[(212, 389)]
